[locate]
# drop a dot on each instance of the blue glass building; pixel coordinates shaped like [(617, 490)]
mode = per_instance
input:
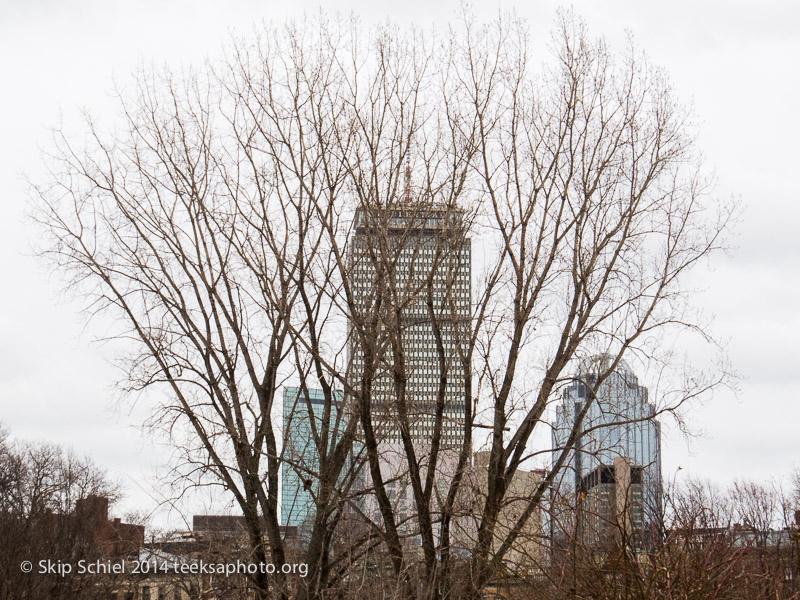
[(619, 429), (300, 468)]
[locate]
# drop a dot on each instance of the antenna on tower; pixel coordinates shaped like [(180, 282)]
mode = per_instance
[(408, 183)]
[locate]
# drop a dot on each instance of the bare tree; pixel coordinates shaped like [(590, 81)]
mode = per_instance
[(288, 217), (705, 553), (41, 485)]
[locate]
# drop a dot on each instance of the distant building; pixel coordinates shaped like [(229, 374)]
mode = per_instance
[(613, 476), (300, 468), (212, 528), (610, 506), (162, 578), (419, 243), (102, 539), (410, 268), (175, 564), (107, 537), (527, 555)]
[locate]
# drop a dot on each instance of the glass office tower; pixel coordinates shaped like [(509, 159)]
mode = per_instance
[(620, 442), (300, 468)]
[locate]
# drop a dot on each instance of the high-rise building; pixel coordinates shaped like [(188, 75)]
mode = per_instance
[(613, 475), (404, 256), (300, 468), (423, 256)]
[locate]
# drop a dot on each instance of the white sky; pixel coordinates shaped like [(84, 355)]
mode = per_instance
[(737, 63)]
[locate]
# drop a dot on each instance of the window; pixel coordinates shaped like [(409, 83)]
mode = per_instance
[(636, 475)]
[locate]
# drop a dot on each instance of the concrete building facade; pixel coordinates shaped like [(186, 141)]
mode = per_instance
[(528, 554), (423, 257)]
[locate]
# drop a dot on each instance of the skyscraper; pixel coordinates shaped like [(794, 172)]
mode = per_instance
[(410, 270), (410, 264), (300, 468), (614, 471)]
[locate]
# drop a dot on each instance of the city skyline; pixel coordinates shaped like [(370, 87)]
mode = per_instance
[(52, 350)]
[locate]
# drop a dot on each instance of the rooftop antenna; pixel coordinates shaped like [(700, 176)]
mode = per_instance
[(408, 183)]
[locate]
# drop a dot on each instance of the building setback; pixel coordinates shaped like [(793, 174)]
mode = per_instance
[(613, 475)]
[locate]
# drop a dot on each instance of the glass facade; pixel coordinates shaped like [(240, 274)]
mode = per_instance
[(300, 468), (619, 424)]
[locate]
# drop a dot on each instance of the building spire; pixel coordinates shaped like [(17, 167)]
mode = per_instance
[(407, 194)]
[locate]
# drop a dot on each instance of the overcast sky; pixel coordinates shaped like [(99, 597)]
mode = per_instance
[(736, 62)]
